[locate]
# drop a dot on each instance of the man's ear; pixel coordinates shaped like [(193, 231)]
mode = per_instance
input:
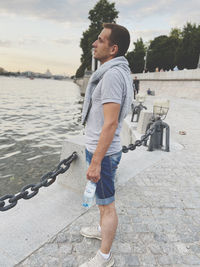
[(114, 50)]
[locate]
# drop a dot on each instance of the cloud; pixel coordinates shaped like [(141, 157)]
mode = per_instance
[(5, 43), (127, 2), (28, 41), (60, 11), (63, 41), (22, 42), (177, 11), (76, 11), (55, 26), (34, 41), (140, 9), (189, 12), (148, 35), (161, 7)]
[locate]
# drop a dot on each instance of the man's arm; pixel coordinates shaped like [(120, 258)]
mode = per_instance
[(111, 114)]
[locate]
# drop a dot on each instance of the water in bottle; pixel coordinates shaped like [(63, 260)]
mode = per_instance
[(89, 194)]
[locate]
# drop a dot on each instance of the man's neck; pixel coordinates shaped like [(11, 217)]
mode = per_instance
[(106, 60)]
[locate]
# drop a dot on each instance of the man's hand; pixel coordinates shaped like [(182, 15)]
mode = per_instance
[(93, 172)]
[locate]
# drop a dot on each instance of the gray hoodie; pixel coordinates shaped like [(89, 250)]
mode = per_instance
[(121, 64)]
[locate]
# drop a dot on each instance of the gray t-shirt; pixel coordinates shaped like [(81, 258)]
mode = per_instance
[(111, 88)]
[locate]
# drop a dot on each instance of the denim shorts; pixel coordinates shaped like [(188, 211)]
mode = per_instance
[(105, 192)]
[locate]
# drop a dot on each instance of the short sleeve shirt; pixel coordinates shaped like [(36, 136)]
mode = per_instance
[(110, 89)]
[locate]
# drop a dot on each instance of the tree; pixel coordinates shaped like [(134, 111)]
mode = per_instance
[(175, 33), (162, 52), (129, 57), (189, 49), (136, 57), (103, 11), (156, 52)]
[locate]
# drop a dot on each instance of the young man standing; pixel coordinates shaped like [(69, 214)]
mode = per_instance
[(107, 101)]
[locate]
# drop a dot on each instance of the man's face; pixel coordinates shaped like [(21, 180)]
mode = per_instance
[(103, 51)]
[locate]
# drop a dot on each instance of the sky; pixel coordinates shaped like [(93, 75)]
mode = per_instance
[(37, 35)]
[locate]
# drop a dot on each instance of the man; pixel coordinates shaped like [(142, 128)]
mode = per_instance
[(136, 83), (107, 101), (134, 90)]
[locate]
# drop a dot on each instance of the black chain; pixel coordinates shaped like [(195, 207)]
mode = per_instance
[(143, 139), (50, 177), (9, 201)]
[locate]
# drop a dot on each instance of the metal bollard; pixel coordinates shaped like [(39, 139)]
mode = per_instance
[(156, 139), (136, 111)]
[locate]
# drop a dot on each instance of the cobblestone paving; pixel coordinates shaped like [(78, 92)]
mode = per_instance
[(159, 213)]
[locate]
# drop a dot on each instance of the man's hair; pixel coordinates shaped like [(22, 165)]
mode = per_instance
[(119, 36)]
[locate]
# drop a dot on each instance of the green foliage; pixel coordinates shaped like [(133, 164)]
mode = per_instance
[(103, 11), (162, 52), (189, 49), (156, 52), (175, 33), (181, 48), (80, 71), (136, 57), (129, 57)]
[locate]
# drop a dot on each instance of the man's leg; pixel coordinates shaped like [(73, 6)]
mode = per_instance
[(108, 223)]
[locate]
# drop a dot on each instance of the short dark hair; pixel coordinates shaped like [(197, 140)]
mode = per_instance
[(119, 36)]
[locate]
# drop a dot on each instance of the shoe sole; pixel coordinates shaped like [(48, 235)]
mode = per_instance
[(89, 236), (111, 263)]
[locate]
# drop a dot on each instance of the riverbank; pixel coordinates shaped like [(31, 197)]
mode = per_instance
[(182, 83), (158, 207)]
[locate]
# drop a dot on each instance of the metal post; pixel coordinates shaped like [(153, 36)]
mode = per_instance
[(145, 62), (198, 65), (167, 136), (145, 57), (156, 139), (136, 111)]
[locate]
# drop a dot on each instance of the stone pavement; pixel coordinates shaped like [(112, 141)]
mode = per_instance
[(159, 209)]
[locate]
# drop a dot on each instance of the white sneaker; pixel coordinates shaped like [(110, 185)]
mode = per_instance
[(91, 232), (99, 261)]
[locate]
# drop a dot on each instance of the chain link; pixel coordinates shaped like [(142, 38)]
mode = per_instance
[(9, 201), (143, 139)]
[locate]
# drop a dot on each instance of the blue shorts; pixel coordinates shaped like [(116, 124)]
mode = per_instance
[(105, 192)]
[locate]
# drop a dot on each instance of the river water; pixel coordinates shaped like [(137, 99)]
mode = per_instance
[(36, 116)]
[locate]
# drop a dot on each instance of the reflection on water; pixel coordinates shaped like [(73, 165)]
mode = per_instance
[(35, 117)]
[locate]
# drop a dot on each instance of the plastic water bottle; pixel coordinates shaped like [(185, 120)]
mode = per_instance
[(89, 194)]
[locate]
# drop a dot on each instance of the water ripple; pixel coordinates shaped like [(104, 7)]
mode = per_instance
[(36, 117)]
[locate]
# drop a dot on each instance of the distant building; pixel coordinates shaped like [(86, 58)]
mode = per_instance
[(48, 74), (2, 70)]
